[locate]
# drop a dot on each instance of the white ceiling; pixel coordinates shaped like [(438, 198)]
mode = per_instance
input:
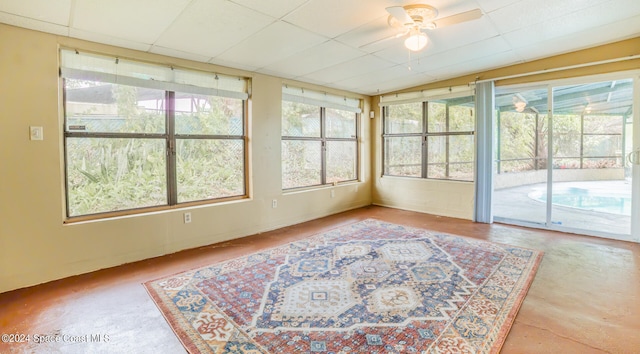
[(327, 42)]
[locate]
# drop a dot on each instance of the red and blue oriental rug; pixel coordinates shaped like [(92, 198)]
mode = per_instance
[(369, 287)]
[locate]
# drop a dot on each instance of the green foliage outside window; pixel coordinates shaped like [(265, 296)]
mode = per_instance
[(319, 145), (117, 147), (430, 139)]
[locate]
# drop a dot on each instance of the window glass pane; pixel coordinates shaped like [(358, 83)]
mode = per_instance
[(461, 115), (115, 174), (402, 156), (566, 163), (208, 115), (92, 106), (523, 129), (517, 136), (403, 118), (461, 150), (341, 161), (462, 118), (299, 119), (566, 135), (517, 165), (437, 117), (301, 163), (602, 163), (602, 145), (340, 124), (461, 171), (437, 157), (603, 124), (460, 159), (209, 169)]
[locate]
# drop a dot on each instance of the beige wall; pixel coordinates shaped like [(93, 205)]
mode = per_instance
[(446, 198), (35, 245), (456, 199)]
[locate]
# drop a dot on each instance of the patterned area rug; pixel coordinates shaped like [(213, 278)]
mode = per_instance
[(369, 287)]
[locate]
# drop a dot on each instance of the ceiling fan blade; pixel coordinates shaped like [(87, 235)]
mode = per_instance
[(399, 13), (458, 18)]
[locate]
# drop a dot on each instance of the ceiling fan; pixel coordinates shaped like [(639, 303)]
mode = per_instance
[(415, 19)]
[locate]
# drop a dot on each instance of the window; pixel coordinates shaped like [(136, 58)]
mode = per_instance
[(138, 135), (319, 139), (430, 139)]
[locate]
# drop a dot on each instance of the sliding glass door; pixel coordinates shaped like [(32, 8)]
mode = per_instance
[(521, 154), (591, 180), (564, 157)]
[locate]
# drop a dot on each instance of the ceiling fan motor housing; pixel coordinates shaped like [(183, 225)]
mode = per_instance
[(421, 14)]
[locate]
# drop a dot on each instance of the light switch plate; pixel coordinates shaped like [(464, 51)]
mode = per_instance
[(36, 133)]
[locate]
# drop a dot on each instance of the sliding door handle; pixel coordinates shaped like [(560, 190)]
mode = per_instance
[(634, 157)]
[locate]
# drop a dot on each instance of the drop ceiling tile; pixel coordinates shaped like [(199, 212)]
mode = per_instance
[(372, 36), (475, 66), (448, 8), (141, 20), (433, 59), (368, 82), (276, 42), (492, 5), (209, 27), (233, 64), (315, 58), (282, 74), (36, 25), (362, 65), (101, 38), (463, 54), (529, 12), (624, 29), (461, 34), (331, 18), (583, 20), (402, 83), (272, 8), (170, 52), (55, 12), (397, 53)]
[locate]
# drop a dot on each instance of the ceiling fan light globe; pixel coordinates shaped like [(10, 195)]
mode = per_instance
[(416, 42)]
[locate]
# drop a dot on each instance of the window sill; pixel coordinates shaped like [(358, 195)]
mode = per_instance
[(148, 211), (409, 178), (320, 187)]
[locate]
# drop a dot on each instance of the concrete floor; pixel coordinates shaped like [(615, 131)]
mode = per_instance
[(515, 203), (585, 297)]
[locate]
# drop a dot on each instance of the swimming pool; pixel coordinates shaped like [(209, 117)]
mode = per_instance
[(585, 199)]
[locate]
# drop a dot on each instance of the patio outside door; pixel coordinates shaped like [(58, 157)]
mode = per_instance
[(575, 145)]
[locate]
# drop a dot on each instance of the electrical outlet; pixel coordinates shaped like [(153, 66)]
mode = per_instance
[(187, 218), (333, 193), (274, 203)]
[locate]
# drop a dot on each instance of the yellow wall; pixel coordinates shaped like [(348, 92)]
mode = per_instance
[(456, 199), (35, 245)]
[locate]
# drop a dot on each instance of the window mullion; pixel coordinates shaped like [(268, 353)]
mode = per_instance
[(323, 156), (446, 150), (425, 143), (172, 185)]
